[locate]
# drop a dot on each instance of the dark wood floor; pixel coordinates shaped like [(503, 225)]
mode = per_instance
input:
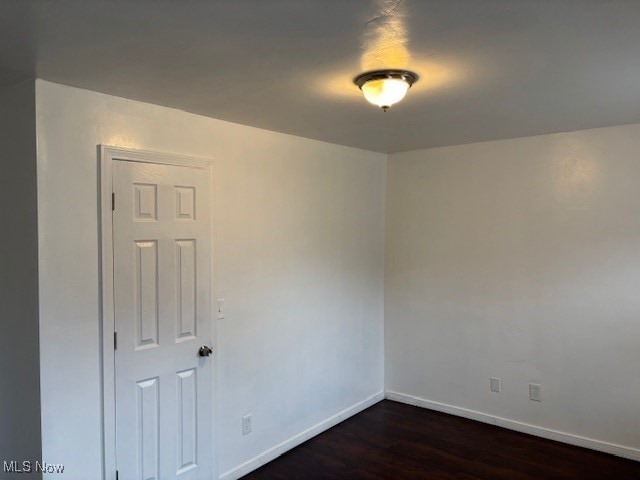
[(395, 441)]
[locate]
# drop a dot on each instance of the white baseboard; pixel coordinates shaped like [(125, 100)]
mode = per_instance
[(302, 437), (618, 450)]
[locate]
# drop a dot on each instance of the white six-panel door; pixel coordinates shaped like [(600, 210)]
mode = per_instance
[(163, 315)]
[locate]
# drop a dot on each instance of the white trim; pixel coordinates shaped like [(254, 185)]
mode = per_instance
[(614, 449), (146, 156), (108, 155), (107, 318), (296, 440)]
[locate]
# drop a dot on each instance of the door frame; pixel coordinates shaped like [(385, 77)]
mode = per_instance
[(107, 156)]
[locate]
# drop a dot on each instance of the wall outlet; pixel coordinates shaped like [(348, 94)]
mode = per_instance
[(535, 392), (496, 384), (246, 424)]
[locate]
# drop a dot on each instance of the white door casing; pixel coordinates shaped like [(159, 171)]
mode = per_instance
[(162, 314)]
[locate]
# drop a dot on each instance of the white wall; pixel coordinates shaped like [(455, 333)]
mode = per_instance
[(519, 259), (19, 355), (300, 247)]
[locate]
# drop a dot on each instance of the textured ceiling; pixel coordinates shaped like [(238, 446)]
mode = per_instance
[(488, 69)]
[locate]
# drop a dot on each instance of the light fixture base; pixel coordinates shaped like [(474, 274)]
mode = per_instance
[(406, 75)]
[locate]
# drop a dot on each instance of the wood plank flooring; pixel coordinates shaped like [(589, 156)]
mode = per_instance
[(395, 441)]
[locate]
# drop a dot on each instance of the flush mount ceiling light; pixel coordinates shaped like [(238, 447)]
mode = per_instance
[(385, 87)]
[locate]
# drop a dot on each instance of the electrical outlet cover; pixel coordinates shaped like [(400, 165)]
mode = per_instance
[(246, 424), (495, 384), (535, 392)]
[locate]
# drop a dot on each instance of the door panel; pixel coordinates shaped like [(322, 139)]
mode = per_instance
[(186, 282), (163, 314), (187, 418), (145, 289), (148, 428)]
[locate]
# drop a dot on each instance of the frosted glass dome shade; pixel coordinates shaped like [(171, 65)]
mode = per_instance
[(385, 92), (385, 87)]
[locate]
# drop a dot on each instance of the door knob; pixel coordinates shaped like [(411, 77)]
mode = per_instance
[(205, 351)]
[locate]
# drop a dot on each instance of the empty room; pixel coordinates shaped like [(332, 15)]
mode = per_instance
[(320, 239)]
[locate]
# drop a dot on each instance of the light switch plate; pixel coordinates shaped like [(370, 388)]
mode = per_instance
[(220, 308)]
